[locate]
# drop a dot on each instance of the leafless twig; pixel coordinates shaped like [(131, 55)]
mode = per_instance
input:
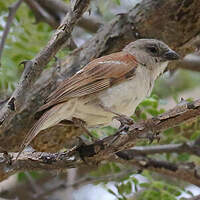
[(42, 13), (189, 147), (12, 10), (58, 9)]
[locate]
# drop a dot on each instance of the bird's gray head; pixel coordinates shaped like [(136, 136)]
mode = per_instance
[(151, 51)]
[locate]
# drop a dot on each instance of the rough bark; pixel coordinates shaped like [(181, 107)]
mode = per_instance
[(152, 19), (114, 148)]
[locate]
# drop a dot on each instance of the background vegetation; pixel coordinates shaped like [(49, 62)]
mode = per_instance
[(26, 38)]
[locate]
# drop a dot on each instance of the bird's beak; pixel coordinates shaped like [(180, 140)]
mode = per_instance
[(171, 55)]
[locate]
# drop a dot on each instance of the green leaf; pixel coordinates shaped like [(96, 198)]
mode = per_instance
[(145, 185), (117, 2), (110, 191), (21, 176)]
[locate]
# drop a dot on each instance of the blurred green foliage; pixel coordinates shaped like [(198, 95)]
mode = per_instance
[(22, 176), (24, 41)]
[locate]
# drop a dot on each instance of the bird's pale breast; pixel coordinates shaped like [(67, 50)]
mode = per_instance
[(122, 98)]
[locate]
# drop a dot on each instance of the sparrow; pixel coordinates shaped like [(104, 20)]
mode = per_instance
[(111, 84)]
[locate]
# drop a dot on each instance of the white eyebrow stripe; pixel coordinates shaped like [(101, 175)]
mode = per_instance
[(111, 62), (79, 71), (106, 62)]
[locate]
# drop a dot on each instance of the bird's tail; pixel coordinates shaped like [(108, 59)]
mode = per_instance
[(43, 123)]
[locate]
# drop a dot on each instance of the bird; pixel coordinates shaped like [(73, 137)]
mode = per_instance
[(106, 86)]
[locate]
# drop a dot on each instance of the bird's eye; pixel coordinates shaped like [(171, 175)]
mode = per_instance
[(153, 49)]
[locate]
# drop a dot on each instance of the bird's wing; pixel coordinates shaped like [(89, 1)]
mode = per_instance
[(98, 75)]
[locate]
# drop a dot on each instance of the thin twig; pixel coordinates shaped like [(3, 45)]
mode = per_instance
[(59, 8), (189, 147), (42, 13), (182, 171), (12, 11)]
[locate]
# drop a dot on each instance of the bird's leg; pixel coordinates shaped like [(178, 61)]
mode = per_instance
[(151, 135), (123, 119), (82, 124)]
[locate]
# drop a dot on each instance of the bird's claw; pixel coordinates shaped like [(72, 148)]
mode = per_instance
[(124, 120), (154, 138), (151, 136)]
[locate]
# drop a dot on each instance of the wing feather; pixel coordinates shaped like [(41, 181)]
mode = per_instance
[(96, 76)]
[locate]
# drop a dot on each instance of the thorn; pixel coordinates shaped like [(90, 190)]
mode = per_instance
[(25, 62), (11, 104)]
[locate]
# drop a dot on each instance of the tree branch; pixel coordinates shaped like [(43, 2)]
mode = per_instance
[(34, 67), (58, 9), (190, 62), (12, 11), (188, 147), (41, 13), (188, 172), (144, 20), (105, 149)]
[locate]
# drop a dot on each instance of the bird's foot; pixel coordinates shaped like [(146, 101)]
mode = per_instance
[(124, 120), (151, 136)]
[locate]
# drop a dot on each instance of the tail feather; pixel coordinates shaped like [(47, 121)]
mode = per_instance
[(48, 119), (37, 127), (32, 134)]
